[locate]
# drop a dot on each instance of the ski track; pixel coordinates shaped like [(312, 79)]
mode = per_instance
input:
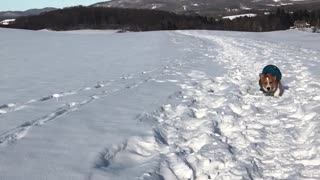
[(223, 127), (12, 107), (100, 90), (131, 81)]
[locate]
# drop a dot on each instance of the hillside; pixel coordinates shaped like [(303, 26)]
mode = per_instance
[(15, 14), (212, 7), (126, 19)]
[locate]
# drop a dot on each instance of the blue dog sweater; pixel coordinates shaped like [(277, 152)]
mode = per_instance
[(274, 70)]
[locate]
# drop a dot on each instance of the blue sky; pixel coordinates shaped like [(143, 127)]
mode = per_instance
[(6, 5)]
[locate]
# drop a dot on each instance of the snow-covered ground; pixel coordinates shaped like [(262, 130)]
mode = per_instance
[(239, 15), (7, 21), (157, 105)]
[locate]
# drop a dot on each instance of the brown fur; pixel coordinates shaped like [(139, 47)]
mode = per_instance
[(268, 82)]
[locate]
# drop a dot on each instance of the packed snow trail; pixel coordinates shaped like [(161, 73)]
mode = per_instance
[(224, 128)]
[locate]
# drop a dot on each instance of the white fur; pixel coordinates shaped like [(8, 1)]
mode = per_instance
[(277, 92), (268, 83)]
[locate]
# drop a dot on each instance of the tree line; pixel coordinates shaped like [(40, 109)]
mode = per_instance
[(278, 20), (148, 20)]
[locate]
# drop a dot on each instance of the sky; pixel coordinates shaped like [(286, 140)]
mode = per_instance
[(18, 5)]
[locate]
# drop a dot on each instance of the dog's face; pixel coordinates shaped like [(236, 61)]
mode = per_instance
[(268, 82)]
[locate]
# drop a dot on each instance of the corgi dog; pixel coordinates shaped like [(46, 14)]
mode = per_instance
[(270, 81)]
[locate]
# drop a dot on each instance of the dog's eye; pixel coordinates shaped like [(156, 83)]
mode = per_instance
[(271, 82)]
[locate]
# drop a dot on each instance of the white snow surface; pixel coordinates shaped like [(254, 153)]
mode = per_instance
[(7, 21), (157, 105), (239, 15)]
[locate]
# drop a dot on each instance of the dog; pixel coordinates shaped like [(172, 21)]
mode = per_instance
[(270, 81)]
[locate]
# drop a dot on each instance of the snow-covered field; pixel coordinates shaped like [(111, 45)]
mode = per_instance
[(157, 105)]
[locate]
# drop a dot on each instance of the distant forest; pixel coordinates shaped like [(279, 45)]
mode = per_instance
[(148, 20)]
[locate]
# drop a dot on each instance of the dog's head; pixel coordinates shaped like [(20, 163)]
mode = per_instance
[(268, 82)]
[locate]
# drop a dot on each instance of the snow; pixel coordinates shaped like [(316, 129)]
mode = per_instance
[(157, 105), (285, 4), (242, 7), (272, 5), (7, 21), (184, 7), (239, 15)]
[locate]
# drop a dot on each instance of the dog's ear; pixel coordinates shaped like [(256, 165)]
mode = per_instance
[(260, 75), (275, 77), (260, 83)]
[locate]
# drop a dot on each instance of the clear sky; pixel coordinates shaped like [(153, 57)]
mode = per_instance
[(18, 5)]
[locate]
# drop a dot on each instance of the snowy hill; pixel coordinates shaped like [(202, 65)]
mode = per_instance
[(157, 105), (15, 14), (208, 7)]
